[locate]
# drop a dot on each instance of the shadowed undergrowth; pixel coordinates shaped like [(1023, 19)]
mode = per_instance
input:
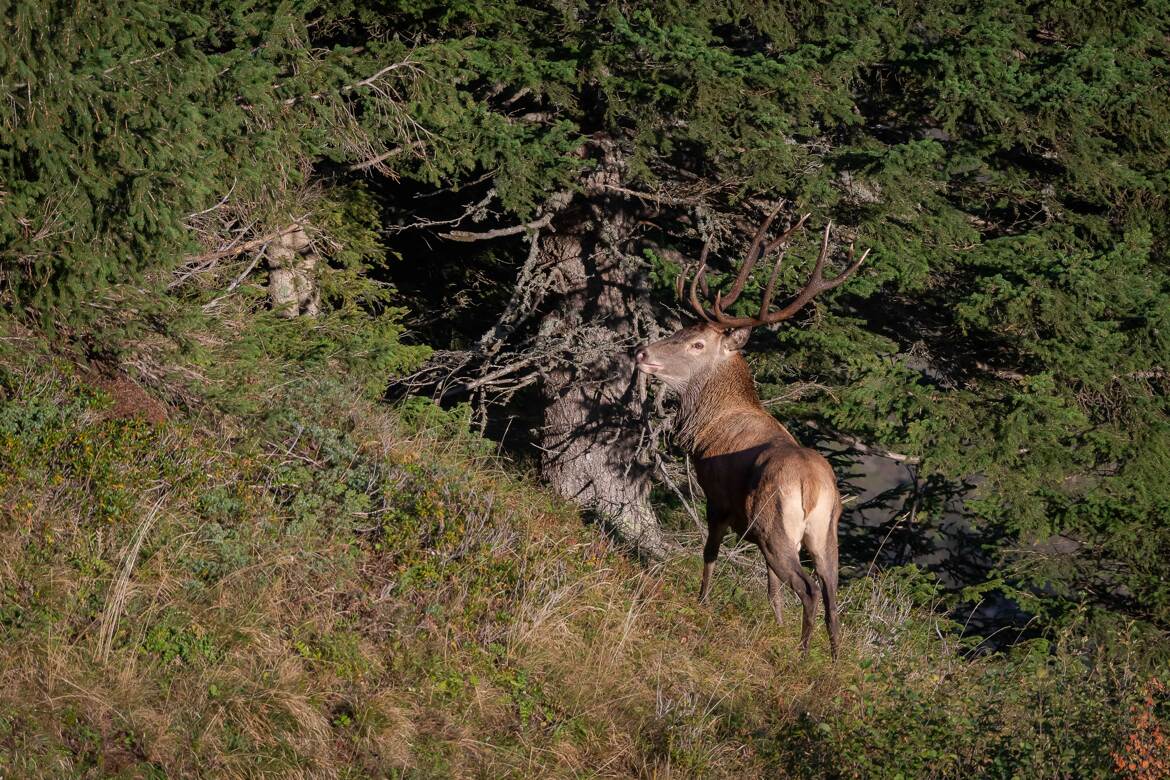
[(328, 588)]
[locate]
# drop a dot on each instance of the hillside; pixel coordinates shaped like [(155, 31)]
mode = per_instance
[(325, 587), (324, 451)]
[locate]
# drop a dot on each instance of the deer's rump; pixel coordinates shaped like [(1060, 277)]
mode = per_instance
[(775, 487)]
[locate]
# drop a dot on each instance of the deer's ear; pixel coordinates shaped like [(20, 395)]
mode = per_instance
[(734, 339)]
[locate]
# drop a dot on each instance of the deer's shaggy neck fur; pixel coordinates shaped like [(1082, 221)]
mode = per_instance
[(720, 412)]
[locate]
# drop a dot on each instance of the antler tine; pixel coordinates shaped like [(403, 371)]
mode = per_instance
[(823, 284), (703, 266), (770, 290), (680, 282), (749, 261), (816, 284), (840, 279), (787, 234), (698, 307)]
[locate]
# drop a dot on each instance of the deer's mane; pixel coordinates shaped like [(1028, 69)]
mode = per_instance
[(720, 410)]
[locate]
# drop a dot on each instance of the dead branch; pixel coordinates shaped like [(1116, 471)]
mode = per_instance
[(860, 446), (237, 248), (384, 156), (1000, 373), (487, 235), (238, 280), (526, 294), (218, 205), (528, 290), (407, 63), (195, 264), (653, 197), (493, 377), (795, 392), (366, 82), (474, 211), (688, 503)]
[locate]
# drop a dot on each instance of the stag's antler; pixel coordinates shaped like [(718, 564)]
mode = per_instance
[(816, 284)]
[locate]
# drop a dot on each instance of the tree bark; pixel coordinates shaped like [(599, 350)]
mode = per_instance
[(593, 416), (292, 275)]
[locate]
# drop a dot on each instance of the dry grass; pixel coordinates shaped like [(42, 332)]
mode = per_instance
[(392, 602)]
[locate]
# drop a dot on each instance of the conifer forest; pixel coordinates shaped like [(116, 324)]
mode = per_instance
[(343, 433)]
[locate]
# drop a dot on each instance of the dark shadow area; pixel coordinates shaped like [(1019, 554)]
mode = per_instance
[(895, 518)]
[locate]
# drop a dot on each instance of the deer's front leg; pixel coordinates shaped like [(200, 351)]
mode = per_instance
[(716, 530)]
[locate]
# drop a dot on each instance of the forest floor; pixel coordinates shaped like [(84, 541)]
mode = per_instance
[(329, 587)]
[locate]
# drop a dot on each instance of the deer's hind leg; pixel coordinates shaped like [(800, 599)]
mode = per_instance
[(775, 595), (820, 539), (784, 563)]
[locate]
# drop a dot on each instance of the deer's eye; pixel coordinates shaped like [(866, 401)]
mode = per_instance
[(697, 345)]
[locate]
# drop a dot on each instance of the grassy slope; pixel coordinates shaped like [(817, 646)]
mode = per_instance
[(321, 589)]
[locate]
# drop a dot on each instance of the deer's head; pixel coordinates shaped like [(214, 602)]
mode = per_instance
[(698, 349)]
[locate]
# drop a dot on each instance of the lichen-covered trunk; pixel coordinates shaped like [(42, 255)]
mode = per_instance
[(593, 414), (292, 275)]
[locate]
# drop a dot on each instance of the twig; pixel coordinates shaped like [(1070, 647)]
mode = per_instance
[(236, 283), (356, 85), (685, 502), (367, 81), (474, 208), (200, 263), (370, 163), (860, 446), (1001, 373), (653, 197), (911, 515), (797, 391), (247, 246), (210, 209)]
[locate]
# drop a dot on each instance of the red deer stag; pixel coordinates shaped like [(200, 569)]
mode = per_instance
[(757, 478)]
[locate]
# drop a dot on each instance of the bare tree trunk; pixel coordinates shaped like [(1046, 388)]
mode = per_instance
[(593, 413)]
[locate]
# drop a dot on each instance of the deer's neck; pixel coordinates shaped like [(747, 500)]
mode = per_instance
[(720, 412)]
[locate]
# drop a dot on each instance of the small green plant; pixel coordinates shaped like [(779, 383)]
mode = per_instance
[(175, 638)]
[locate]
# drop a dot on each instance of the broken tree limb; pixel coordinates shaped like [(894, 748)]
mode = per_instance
[(860, 446)]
